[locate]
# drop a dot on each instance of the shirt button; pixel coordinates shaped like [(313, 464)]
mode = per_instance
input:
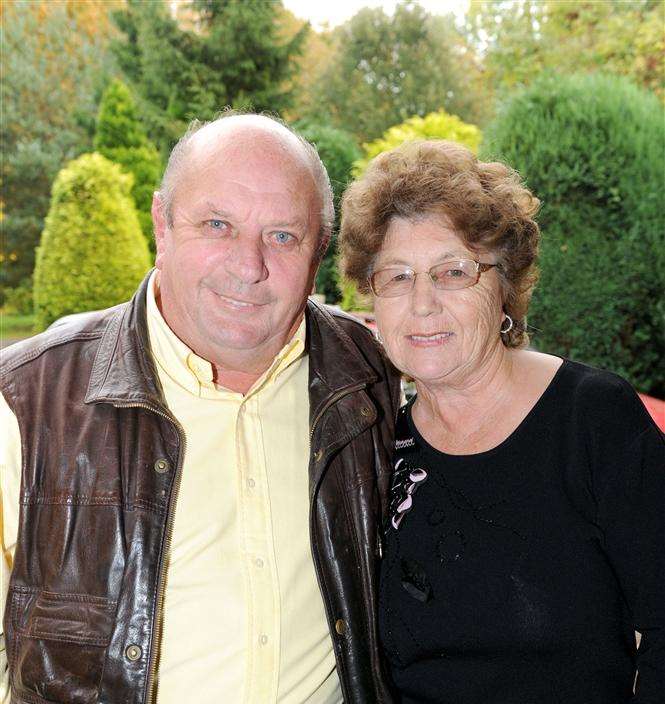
[(251, 483), (340, 626), (161, 466), (133, 652), (263, 639), (258, 562)]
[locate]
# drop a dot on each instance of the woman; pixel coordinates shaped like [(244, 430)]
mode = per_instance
[(526, 538)]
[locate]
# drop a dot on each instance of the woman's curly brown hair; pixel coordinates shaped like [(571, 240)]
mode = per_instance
[(486, 202)]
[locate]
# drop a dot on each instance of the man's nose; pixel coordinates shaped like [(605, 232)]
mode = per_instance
[(425, 298), (245, 260)]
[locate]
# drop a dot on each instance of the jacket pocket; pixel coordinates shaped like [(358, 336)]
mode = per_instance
[(59, 645)]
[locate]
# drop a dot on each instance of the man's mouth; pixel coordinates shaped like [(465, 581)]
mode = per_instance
[(236, 303)]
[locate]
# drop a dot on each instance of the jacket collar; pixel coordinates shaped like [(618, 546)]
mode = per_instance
[(124, 372)]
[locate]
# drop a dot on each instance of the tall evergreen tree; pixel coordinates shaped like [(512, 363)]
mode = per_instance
[(233, 56), (121, 138)]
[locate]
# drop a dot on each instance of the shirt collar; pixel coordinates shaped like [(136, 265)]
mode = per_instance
[(195, 374)]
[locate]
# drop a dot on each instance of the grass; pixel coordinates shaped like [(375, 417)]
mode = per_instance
[(15, 327)]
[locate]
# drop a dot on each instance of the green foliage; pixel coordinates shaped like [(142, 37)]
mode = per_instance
[(52, 74), (387, 68), (18, 300), (121, 138), (338, 151), (521, 38), (92, 253), (592, 148), (235, 58), (353, 300), (436, 125), (14, 326)]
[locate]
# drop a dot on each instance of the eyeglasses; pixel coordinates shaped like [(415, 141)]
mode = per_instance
[(448, 276)]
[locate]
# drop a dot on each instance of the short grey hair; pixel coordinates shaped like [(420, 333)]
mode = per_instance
[(182, 149)]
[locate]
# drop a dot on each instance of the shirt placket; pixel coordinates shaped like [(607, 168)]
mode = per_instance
[(263, 602)]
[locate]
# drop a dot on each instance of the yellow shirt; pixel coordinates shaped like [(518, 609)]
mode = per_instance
[(243, 616)]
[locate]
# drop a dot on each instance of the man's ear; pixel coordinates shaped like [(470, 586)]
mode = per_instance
[(159, 226)]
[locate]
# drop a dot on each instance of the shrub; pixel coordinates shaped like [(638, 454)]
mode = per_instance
[(436, 125), (338, 151), (121, 138), (592, 149), (92, 253), (18, 300)]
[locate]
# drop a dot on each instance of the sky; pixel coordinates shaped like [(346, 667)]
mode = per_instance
[(335, 12)]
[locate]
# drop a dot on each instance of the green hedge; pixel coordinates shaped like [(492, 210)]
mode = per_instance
[(338, 151), (92, 252), (592, 148)]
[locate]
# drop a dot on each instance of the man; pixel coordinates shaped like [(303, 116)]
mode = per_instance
[(203, 468)]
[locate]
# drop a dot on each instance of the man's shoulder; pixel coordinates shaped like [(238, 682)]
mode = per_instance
[(351, 339), (349, 325), (69, 330)]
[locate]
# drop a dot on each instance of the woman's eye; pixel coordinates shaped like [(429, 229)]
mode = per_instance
[(455, 273), (404, 276)]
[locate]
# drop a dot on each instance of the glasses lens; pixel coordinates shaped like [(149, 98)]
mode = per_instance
[(392, 282), (456, 274)]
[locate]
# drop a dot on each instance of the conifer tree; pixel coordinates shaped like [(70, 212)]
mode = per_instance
[(121, 138)]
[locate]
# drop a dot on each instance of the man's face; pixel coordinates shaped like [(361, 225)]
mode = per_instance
[(239, 261)]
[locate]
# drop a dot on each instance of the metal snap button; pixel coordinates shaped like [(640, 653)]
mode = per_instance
[(318, 455), (161, 466), (133, 652), (340, 626), (364, 411)]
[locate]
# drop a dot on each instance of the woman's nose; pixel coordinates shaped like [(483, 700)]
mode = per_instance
[(424, 297)]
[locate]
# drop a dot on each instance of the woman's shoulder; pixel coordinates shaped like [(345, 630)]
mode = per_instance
[(602, 400)]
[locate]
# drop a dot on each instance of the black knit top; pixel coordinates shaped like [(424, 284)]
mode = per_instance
[(519, 575)]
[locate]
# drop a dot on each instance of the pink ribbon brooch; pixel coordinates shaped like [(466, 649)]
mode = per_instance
[(409, 484)]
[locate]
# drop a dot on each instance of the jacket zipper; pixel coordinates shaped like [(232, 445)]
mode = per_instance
[(170, 517), (333, 399), (317, 563)]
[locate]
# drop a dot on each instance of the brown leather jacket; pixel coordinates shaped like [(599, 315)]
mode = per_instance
[(102, 457)]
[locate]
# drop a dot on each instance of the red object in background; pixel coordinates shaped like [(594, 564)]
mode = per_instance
[(656, 409)]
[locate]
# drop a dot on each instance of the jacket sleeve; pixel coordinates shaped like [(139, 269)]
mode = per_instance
[(629, 458), (10, 486)]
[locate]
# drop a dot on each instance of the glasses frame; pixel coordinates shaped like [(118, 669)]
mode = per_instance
[(481, 268)]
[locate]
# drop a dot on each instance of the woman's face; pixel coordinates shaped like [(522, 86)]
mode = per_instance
[(437, 336)]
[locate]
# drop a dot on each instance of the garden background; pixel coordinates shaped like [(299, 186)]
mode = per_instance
[(96, 92)]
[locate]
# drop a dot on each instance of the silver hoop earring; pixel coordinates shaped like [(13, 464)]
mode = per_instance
[(510, 325)]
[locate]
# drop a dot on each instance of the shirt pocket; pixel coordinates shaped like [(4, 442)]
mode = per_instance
[(59, 645)]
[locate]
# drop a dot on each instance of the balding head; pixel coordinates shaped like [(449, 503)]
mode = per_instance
[(250, 134)]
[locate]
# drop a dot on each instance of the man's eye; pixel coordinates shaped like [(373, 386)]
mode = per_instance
[(282, 237), (216, 225)]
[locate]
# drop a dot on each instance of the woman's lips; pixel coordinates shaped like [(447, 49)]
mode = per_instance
[(429, 339)]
